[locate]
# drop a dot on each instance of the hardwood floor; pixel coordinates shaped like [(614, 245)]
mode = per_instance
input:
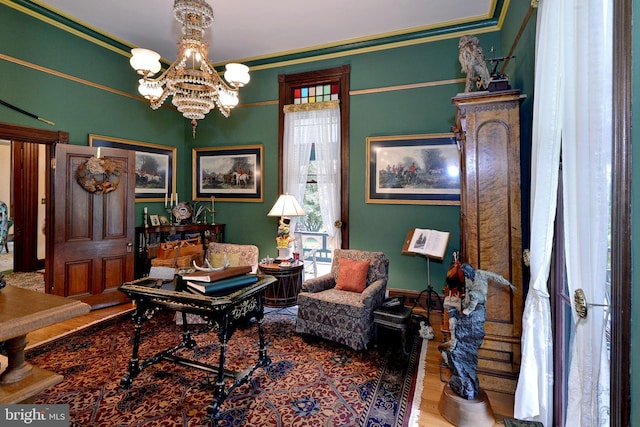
[(501, 403), (45, 334)]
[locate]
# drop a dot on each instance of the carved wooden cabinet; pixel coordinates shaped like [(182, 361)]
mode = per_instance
[(488, 132), (148, 239)]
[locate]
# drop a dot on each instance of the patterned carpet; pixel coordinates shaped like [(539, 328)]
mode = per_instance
[(33, 281), (309, 383), (6, 259)]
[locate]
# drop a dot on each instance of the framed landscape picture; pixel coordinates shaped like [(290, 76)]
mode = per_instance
[(155, 166), (413, 169), (231, 174)]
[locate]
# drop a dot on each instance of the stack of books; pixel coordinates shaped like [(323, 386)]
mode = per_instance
[(220, 282)]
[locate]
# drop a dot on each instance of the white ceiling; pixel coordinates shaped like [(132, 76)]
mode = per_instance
[(249, 29)]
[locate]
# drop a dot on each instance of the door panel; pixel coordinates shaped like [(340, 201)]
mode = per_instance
[(24, 205), (93, 233)]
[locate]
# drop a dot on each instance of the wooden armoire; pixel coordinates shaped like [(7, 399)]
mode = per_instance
[(488, 132)]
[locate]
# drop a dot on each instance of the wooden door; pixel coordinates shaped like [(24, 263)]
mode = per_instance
[(93, 233)]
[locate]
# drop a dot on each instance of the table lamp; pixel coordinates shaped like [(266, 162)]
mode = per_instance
[(285, 207)]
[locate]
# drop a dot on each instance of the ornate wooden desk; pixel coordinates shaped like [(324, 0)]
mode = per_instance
[(148, 238), (225, 312)]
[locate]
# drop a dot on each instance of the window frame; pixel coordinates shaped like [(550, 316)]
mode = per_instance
[(341, 76)]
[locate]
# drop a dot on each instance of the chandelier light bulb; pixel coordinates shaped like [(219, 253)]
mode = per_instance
[(149, 91), (227, 98)]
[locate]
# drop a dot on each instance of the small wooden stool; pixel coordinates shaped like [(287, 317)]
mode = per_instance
[(397, 320)]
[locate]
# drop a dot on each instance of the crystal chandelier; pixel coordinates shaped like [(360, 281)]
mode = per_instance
[(195, 86)]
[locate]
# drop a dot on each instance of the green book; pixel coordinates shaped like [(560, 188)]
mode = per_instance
[(223, 286)]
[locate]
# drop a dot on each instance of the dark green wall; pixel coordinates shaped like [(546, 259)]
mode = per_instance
[(82, 109), (401, 112)]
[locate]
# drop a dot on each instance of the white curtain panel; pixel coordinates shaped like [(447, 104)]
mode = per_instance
[(302, 129), (534, 393), (586, 157), (297, 143), (572, 110)]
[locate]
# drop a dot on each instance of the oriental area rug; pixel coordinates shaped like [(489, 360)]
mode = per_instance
[(33, 281), (310, 382)]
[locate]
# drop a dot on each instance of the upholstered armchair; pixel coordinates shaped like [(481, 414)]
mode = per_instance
[(236, 255), (339, 306)]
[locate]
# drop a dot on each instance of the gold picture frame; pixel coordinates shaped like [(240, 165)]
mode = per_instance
[(413, 169), (155, 166), (230, 174)]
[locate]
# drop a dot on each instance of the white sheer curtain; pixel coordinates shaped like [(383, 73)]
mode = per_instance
[(572, 104), (586, 154), (303, 126), (534, 393)]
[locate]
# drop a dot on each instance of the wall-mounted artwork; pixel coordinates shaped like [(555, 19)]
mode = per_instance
[(413, 169), (155, 166), (230, 174)]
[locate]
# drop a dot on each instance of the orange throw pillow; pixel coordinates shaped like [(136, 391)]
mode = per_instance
[(352, 275)]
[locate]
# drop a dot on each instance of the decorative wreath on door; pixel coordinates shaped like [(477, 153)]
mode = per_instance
[(98, 176)]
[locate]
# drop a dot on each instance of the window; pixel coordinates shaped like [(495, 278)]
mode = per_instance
[(309, 88)]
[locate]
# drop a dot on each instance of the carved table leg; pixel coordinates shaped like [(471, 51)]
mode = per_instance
[(134, 363), (263, 357), (17, 368), (219, 393)]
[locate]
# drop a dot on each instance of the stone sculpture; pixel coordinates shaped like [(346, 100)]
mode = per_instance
[(467, 332)]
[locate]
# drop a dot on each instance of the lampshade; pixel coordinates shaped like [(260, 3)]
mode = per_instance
[(237, 74), (286, 205), (145, 61)]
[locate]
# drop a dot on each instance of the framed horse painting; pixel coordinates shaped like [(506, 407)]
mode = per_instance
[(155, 166), (230, 174), (413, 169)]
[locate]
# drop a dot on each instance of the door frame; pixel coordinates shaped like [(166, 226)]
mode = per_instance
[(49, 138), (621, 255)]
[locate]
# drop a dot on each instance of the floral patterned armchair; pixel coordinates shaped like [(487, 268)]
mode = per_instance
[(236, 254), (343, 316)]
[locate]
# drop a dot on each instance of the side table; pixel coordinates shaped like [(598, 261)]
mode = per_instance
[(23, 311), (284, 292), (396, 320)]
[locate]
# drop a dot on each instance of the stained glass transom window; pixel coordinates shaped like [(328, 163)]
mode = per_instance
[(317, 93)]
